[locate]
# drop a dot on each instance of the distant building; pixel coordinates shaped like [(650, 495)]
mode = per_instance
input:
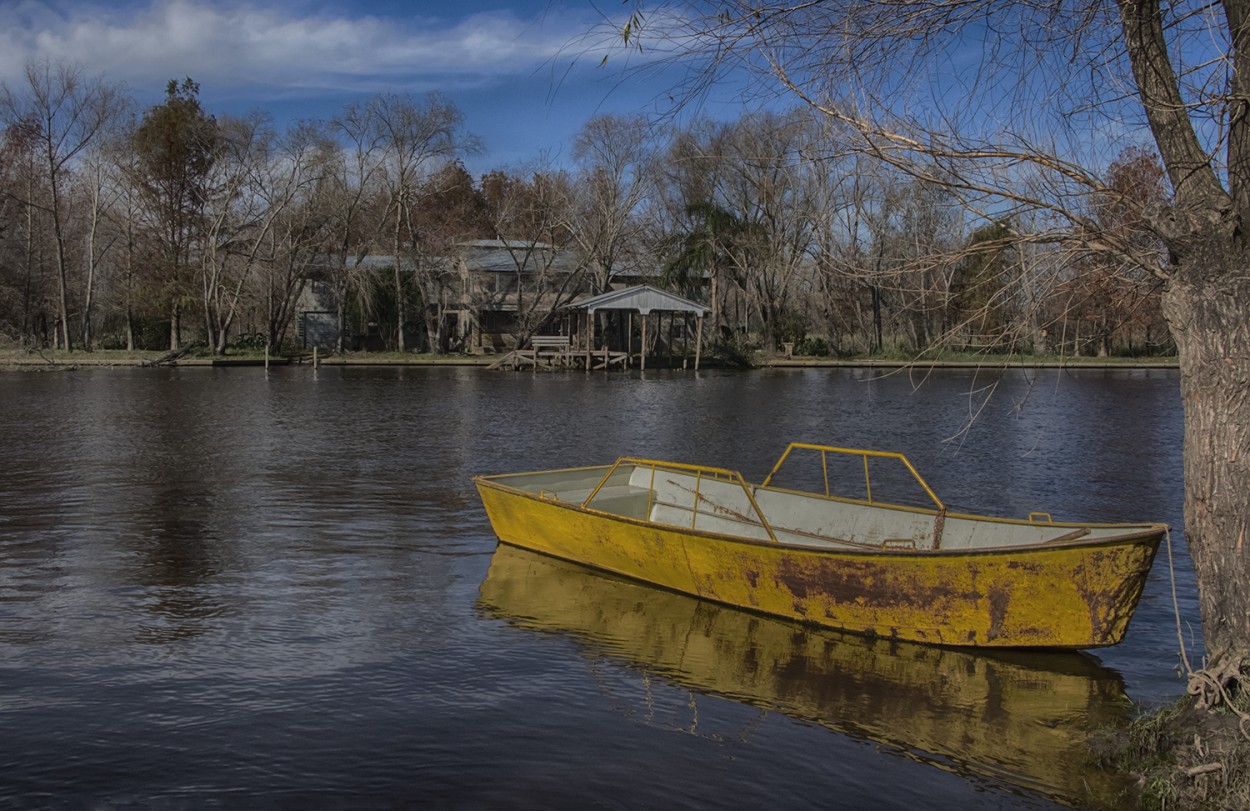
[(484, 297), (507, 290)]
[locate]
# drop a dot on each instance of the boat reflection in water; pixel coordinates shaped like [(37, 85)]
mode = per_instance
[(1021, 718)]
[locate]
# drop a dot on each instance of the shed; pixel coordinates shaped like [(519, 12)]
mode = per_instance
[(644, 300)]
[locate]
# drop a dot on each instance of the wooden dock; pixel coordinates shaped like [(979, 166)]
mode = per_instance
[(557, 352)]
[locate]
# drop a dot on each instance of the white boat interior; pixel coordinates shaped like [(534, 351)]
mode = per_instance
[(719, 501)]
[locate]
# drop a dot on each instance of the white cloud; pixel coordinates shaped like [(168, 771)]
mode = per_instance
[(235, 45)]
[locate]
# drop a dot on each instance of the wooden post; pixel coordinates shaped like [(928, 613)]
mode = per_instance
[(672, 318), (629, 341), (698, 343), (685, 339), (590, 336), (642, 354), (315, 361)]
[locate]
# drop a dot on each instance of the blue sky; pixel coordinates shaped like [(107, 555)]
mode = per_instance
[(521, 71)]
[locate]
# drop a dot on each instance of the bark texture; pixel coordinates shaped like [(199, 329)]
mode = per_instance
[(1207, 310), (1207, 305)]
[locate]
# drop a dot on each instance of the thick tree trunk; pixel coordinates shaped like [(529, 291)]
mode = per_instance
[(1207, 313)]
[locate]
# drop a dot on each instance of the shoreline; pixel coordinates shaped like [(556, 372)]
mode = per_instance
[(17, 361)]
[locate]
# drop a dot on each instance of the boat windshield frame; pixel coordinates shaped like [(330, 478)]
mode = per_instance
[(865, 454)]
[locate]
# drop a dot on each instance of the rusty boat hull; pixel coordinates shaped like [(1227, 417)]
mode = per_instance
[(916, 574)]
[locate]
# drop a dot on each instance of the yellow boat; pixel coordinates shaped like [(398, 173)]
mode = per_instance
[(1025, 718), (850, 562)]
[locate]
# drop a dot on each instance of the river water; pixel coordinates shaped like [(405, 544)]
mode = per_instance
[(232, 588)]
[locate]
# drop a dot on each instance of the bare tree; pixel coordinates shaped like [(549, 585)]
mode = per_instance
[(764, 182), (691, 234), (532, 219), (128, 211), (301, 227), (236, 222), (257, 178), (349, 194), (1022, 128), (27, 297), (102, 186), (1113, 292), (68, 111), (618, 172), (417, 138), (452, 211)]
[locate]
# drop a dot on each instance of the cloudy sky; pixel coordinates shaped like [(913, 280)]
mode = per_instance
[(522, 71)]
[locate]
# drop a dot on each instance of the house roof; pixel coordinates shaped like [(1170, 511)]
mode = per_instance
[(486, 256), (514, 256), (505, 244), (642, 299)]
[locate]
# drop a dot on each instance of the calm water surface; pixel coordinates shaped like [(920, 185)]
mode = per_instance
[(227, 588)]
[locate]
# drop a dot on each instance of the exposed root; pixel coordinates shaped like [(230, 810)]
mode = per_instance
[(1216, 688)]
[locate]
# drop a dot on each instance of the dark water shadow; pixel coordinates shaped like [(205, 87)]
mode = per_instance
[(1021, 720)]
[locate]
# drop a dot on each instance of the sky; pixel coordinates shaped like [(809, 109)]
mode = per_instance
[(522, 71)]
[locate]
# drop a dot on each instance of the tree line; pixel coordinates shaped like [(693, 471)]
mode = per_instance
[(144, 229)]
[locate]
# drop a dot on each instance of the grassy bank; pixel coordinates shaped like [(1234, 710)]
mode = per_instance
[(1184, 757), (55, 358), (60, 359)]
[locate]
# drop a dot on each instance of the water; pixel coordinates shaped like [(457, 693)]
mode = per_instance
[(227, 588)]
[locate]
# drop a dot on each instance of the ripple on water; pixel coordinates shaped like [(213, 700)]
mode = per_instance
[(244, 589)]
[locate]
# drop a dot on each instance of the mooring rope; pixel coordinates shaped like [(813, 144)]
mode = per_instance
[(1176, 606)]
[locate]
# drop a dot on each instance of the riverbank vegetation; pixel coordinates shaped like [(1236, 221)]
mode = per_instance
[(148, 229), (1183, 756)]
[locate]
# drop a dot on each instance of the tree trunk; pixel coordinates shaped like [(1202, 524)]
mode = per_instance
[(714, 301), (1206, 310), (434, 317), (401, 312), (88, 298), (62, 269), (88, 301), (63, 300), (878, 338), (341, 291)]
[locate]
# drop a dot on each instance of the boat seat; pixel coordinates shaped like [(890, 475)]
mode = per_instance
[(1070, 536)]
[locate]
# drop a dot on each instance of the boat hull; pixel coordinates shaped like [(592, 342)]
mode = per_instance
[(1079, 595)]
